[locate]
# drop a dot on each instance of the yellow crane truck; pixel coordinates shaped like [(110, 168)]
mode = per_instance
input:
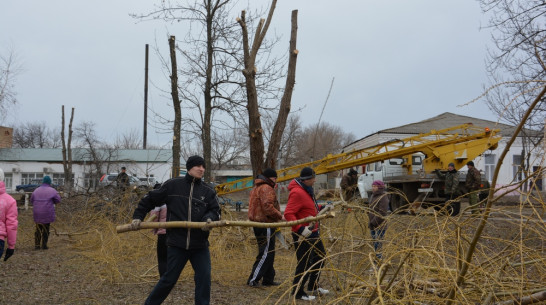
[(412, 160)]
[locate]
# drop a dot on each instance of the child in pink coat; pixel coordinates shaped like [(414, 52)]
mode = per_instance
[(8, 220)]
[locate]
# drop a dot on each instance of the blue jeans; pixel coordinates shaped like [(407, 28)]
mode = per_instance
[(177, 259), (377, 236)]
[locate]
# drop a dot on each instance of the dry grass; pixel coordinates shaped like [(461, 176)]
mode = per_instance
[(88, 263)]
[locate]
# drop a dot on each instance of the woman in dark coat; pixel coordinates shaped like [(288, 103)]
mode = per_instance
[(379, 206)]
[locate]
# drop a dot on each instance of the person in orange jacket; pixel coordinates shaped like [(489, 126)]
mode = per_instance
[(263, 206)]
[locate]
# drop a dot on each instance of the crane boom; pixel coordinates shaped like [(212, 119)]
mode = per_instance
[(454, 144)]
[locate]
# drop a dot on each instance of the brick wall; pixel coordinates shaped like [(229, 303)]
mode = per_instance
[(6, 137)]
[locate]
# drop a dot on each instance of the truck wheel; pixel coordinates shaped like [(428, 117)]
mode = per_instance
[(394, 203), (454, 208)]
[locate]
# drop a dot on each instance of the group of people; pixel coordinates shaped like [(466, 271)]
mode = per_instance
[(43, 199), (452, 192), (263, 206), (188, 198)]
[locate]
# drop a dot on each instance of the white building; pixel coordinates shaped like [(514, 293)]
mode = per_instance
[(20, 165), (510, 171)]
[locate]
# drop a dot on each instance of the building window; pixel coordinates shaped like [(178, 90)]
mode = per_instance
[(490, 162), (516, 167), (57, 179), (8, 180), (90, 181), (26, 178)]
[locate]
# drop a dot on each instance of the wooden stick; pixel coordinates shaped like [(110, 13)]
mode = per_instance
[(221, 223)]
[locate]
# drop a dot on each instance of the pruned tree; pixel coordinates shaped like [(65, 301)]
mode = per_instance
[(9, 69), (250, 53), (516, 68), (177, 110), (67, 151)]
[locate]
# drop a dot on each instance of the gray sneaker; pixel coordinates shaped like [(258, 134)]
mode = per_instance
[(320, 291)]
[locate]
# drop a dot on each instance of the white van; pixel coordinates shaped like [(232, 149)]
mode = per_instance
[(386, 170)]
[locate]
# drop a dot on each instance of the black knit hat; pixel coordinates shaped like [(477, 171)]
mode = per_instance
[(471, 163), (353, 172), (307, 173), (194, 161), (269, 173)]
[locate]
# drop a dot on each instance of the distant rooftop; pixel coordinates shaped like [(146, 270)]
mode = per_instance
[(446, 120), (442, 121)]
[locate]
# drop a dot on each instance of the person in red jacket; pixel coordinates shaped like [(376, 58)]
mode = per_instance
[(310, 250), (8, 220), (263, 206)]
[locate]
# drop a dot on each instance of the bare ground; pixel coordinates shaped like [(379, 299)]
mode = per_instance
[(87, 263)]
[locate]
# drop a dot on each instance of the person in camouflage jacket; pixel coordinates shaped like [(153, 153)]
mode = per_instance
[(451, 192), (349, 185), (473, 182)]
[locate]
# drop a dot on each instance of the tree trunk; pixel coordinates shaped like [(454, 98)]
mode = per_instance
[(177, 111), (255, 131), (286, 101), (205, 133), (67, 153)]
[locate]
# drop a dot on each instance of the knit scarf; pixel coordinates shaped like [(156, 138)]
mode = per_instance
[(309, 190)]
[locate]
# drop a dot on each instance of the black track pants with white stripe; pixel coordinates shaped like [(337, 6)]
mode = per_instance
[(263, 266)]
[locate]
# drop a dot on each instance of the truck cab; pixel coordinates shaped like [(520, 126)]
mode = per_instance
[(387, 170)]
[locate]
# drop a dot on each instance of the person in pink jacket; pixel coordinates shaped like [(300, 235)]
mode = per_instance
[(161, 248), (8, 220), (43, 199)]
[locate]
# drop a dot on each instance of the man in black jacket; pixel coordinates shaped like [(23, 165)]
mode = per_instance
[(188, 199)]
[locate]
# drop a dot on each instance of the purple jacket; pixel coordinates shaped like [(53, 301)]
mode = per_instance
[(43, 200)]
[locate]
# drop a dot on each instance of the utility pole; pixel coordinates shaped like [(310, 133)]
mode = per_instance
[(145, 133)]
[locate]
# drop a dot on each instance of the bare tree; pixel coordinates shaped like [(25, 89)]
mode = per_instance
[(9, 69), (67, 152), (288, 145), (229, 147), (209, 62), (517, 70), (319, 141), (35, 135), (257, 149), (210, 71), (98, 153), (129, 140)]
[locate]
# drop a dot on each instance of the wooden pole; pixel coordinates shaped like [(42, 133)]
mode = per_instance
[(145, 132), (222, 223)]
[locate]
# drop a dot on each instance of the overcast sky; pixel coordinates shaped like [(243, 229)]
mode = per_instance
[(394, 62)]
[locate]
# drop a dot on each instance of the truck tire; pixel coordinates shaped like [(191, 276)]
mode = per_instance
[(394, 203), (454, 208)]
